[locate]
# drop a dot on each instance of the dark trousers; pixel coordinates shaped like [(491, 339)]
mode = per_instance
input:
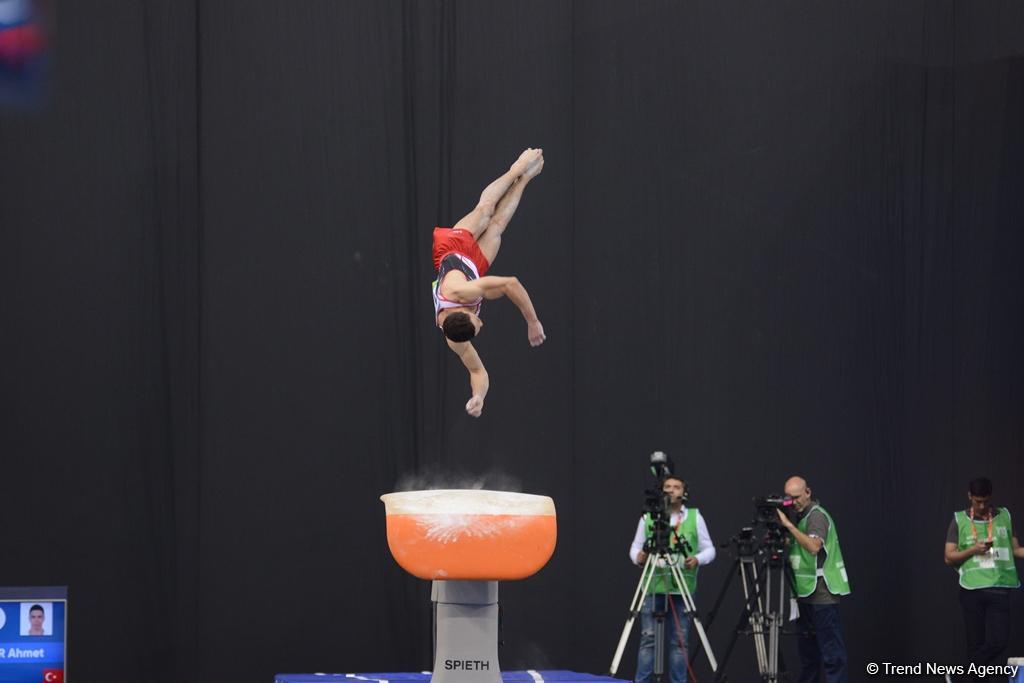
[(821, 644), (987, 618)]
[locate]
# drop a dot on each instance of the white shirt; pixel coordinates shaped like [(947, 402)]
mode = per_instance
[(705, 548)]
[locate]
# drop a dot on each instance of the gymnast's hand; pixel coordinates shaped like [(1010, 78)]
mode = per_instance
[(535, 332), (475, 406)]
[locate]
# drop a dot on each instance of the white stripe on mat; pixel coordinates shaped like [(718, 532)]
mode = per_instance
[(535, 676), (357, 677)]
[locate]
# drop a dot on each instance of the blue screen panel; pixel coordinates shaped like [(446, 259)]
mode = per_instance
[(33, 630)]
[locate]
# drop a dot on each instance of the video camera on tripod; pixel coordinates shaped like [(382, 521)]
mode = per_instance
[(666, 553), (765, 576), (658, 504)]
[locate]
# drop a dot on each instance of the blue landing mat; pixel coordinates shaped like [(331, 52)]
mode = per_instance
[(510, 676)]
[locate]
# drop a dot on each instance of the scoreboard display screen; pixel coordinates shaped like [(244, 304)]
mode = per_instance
[(33, 633)]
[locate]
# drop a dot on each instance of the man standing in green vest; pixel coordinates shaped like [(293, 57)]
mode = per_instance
[(980, 543), (663, 595), (819, 576)]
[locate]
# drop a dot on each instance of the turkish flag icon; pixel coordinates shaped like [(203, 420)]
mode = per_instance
[(53, 675)]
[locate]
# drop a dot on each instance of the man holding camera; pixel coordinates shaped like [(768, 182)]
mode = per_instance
[(980, 543), (819, 576), (687, 527)]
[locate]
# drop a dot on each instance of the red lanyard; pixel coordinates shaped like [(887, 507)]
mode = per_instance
[(974, 531)]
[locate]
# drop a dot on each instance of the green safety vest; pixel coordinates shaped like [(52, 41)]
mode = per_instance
[(663, 581), (992, 570), (805, 565)]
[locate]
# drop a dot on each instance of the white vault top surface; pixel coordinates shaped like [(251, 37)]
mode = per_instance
[(466, 502)]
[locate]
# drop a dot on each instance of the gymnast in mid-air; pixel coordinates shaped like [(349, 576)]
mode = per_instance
[(463, 254)]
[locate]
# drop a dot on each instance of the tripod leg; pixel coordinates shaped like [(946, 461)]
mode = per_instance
[(751, 586), (777, 618), (782, 623), (722, 593), (634, 609), (691, 609), (659, 637), (718, 604), (744, 618)]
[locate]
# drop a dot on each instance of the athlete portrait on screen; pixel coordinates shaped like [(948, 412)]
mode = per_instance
[(36, 621)]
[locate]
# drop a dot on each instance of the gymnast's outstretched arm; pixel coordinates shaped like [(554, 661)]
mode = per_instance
[(495, 287), (478, 379)]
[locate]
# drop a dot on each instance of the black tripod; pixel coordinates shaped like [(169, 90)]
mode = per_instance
[(764, 575)]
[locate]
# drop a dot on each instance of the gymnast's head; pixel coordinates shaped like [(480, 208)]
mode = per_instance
[(461, 327)]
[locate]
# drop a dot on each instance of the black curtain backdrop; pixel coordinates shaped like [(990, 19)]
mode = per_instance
[(770, 238)]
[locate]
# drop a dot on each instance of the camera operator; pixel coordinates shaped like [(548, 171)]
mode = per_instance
[(819, 576), (981, 544), (688, 525)]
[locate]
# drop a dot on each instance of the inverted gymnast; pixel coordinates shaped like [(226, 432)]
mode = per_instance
[(462, 255)]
